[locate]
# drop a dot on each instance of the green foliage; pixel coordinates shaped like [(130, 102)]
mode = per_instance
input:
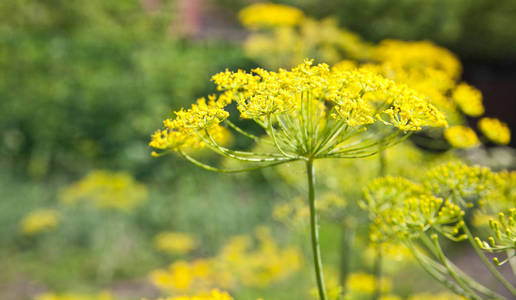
[(89, 80)]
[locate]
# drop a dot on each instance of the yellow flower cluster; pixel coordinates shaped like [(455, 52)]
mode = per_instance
[(461, 137), (236, 263), (40, 220), (261, 15), (495, 130), (413, 216), (174, 242), (462, 183), (469, 99), (73, 296), (307, 111), (213, 295), (417, 56), (187, 128), (360, 96), (106, 189), (402, 209)]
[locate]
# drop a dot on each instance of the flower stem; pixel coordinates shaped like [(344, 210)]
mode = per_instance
[(314, 230)]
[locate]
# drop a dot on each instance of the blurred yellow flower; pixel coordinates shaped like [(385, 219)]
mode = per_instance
[(73, 296), (213, 295), (40, 220), (236, 263), (261, 15), (469, 99), (417, 56), (496, 131), (366, 283), (390, 297), (461, 137), (106, 189), (174, 242)]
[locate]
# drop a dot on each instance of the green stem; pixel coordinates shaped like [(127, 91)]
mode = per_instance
[(435, 274), (466, 278), (486, 262), (451, 271), (314, 230), (214, 169)]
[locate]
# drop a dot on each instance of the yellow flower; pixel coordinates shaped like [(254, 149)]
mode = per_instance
[(495, 130), (73, 296), (178, 277), (40, 220), (461, 137), (459, 182), (269, 14), (106, 189), (366, 283), (236, 263), (320, 39), (390, 297), (469, 99), (418, 55), (174, 242), (213, 295)]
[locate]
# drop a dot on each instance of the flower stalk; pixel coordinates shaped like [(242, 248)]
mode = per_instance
[(314, 230)]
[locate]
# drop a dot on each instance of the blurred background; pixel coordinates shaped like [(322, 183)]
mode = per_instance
[(83, 84)]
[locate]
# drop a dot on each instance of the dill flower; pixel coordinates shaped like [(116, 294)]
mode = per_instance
[(310, 111), (461, 137), (269, 14), (106, 189), (174, 242), (469, 99), (496, 131), (39, 221), (461, 183)]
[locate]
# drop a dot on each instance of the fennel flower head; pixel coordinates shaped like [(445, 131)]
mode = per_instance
[(306, 113)]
